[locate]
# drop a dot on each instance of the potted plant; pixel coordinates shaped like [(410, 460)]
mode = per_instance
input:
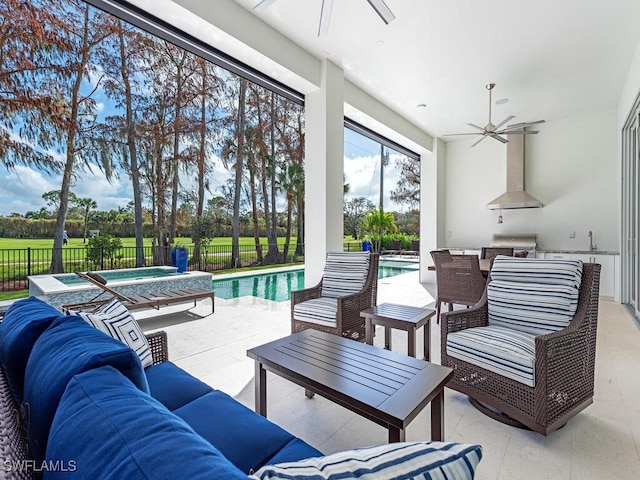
[(180, 257)]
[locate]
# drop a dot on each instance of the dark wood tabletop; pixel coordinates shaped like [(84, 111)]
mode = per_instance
[(385, 387), (402, 317), (485, 266)]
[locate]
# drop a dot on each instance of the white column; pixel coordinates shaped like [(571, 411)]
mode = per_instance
[(324, 158), (431, 208)]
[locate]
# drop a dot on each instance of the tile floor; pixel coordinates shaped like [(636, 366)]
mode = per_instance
[(602, 442)]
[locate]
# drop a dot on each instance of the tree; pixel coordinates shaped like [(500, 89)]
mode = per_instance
[(377, 223), (408, 187), (86, 204), (354, 213), (103, 247), (83, 32)]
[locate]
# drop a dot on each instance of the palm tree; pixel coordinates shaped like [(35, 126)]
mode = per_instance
[(377, 223), (86, 204)]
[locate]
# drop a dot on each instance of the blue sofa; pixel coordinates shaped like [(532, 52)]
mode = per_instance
[(88, 409)]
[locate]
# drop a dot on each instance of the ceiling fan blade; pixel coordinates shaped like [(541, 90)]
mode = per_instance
[(517, 132), (325, 16), (381, 9), (522, 125), (499, 138), (476, 126), (467, 133), (263, 5), (483, 137), (508, 119)]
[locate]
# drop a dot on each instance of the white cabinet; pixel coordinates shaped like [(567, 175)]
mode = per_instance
[(608, 274)]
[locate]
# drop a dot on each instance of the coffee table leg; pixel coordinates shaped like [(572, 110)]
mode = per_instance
[(261, 389), (396, 434), (437, 417)]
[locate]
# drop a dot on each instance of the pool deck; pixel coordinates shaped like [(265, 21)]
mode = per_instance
[(601, 442)]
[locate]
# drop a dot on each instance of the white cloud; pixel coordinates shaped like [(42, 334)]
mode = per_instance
[(21, 190)]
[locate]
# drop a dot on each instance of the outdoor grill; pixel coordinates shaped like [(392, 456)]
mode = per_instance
[(519, 242)]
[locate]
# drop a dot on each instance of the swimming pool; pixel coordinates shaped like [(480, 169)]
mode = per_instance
[(277, 286)]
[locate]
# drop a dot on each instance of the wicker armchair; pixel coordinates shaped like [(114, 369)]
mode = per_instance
[(459, 279), (345, 320), (563, 365), (492, 252)]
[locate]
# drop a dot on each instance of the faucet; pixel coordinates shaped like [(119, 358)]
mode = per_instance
[(592, 247)]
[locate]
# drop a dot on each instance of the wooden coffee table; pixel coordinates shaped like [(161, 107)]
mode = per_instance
[(382, 386), (401, 317)]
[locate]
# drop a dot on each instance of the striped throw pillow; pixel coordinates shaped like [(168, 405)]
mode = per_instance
[(537, 270), (409, 460), (116, 321), (345, 273)]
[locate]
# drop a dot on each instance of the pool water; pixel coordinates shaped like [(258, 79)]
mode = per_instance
[(277, 286), (124, 274)]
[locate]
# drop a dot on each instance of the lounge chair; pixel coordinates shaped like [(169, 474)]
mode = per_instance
[(138, 301), (395, 249)]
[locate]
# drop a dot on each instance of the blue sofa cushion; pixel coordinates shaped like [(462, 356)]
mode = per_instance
[(22, 325), (410, 460), (247, 439), (69, 346), (294, 451), (106, 428), (172, 386)]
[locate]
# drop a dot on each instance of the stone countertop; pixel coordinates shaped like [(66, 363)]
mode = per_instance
[(585, 252)]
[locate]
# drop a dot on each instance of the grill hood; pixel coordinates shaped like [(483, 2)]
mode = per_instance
[(515, 196)]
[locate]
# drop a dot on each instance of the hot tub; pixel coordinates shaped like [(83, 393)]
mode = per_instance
[(66, 288)]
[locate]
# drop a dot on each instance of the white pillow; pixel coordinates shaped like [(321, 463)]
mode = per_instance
[(407, 460), (116, 321)]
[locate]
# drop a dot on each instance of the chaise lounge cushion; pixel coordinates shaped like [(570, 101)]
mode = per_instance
[(419, 460), (22, 325), (108, 428), (501, 350), (68, 347), (344, 273), (248, 440), (172, 386)]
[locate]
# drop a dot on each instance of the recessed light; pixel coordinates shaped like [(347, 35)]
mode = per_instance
[(421, 105), (379, 43), (502, 101)]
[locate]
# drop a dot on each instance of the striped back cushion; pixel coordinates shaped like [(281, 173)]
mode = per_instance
[(533, 295), (537, 270), (344, 273)]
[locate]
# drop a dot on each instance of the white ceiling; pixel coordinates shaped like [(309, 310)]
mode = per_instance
[(551, 58)]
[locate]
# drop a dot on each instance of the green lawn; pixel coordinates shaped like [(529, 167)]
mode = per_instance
[(126, 242)]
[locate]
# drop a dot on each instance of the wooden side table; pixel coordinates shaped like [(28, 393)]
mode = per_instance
[(401, 317)]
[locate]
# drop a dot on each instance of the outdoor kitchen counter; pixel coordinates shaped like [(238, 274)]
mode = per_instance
[(579, 252)]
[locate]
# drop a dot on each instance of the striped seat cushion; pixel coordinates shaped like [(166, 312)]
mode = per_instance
[(344, 273), (409, 460), (537, 270), (507, 352), (534, 308), (322, 311)]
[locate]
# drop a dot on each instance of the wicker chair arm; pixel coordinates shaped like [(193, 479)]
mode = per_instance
[(476, 316), (159, 346), (299, 296)]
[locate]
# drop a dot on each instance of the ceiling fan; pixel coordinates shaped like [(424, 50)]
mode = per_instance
[(494, 131), (379, 6)]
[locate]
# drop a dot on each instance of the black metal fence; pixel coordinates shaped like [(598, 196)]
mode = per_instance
[(17, 264)]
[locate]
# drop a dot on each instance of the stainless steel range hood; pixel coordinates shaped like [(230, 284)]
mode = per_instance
[(515, 196)]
